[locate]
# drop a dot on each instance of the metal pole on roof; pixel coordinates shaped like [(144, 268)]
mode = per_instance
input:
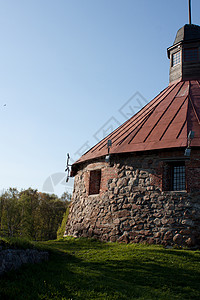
[(190, 16)]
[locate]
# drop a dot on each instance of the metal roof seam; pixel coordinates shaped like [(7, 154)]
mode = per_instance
[(173, 118), (95, 147), (181, 129), (142, 124), (138, 114), (132, 123), (163, 123), (117, 131), (196, 115), (123, 127), (129, 122), (162, 114), (104, 140), (145, 117)]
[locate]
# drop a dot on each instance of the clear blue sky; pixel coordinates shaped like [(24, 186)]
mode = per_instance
[(67, 67)]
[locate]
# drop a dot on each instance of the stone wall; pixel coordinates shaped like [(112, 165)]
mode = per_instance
[(11, 259), (132, 205)]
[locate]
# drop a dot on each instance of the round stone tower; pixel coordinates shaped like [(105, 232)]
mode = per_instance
[(146, 189)]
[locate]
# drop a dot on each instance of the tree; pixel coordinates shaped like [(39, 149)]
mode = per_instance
[(66, 197), (29, 203), (31, 214), (10, 213)]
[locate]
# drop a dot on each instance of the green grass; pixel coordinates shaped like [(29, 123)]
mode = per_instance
[(16, 243), (88, 269)]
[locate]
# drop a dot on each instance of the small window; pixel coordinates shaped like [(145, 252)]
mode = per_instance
[(178, 177), (176, 58), (174, 176), (191, 54), (95, 182)]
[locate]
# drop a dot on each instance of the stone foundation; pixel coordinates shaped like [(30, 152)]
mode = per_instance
[(132, 205)]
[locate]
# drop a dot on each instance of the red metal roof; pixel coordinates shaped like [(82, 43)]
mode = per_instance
[(163, 123)]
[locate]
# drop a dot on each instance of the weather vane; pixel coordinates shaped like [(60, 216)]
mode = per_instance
[(190, 16), (68, 167)]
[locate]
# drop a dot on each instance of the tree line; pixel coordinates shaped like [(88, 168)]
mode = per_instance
[(31, 214)]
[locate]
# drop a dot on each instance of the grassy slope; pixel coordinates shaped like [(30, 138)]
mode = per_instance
[(87, 269)]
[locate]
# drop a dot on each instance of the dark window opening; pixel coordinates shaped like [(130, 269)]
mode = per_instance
[(191, 54), (176, 58), (95, 182), (174, 178), (178, 177)]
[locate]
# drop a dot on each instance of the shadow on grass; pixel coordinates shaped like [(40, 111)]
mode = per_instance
[(76, 244), (128, 272)]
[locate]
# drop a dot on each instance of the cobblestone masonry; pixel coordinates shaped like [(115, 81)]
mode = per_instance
[(132, 205)]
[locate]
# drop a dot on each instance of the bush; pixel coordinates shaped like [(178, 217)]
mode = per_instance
[(61, 229)]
